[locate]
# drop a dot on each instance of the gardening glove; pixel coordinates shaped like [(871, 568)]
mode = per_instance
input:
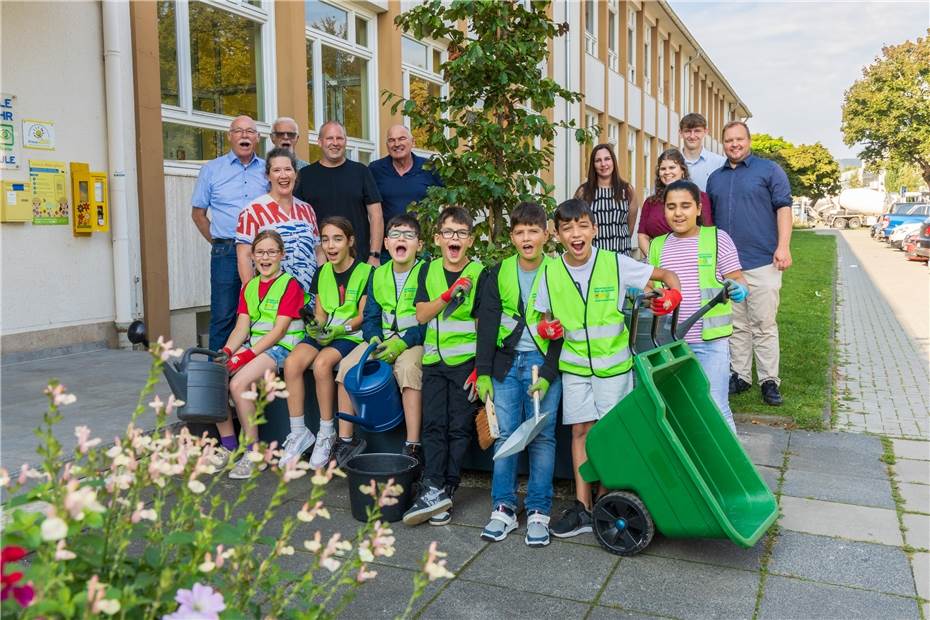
[(471, 386), (668, 300), (388, 350), (227, 352), (462, 284), (485, 388), (541, 386), (736, 291), (239, 360), (550, 330), (328, 334)]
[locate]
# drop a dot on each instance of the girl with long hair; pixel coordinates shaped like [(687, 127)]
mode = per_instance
[(612, 201)]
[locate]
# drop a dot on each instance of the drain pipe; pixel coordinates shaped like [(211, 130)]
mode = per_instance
[(120, 129)]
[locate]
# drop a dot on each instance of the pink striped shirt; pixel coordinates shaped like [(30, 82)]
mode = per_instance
[(679, 254)]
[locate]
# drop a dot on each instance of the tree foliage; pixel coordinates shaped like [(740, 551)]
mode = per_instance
[(898, 175), (887, 111), (812, 171), (489, 133)]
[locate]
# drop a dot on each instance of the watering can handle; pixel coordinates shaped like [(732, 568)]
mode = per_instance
[(361, 363), (198, 350)]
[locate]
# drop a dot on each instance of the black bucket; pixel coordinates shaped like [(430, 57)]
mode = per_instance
[(364, 468)]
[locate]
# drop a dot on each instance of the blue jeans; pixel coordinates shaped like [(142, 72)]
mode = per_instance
[(714, 357), (514, 405), (224, 291)]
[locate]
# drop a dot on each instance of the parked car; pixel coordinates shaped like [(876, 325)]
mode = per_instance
[(899, 234), (901, 213), (917, 246)]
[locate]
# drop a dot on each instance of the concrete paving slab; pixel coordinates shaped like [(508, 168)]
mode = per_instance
[(910, 449), (918, 530), (681, 589), (601, 612), (916, 496), (833, 487), (844, 454), (842, 562), (770, 475), (863, 523), (912, 471), (793, 598), (920, 564), (579, 575), (765, 445), (709, 551), (480, 601)]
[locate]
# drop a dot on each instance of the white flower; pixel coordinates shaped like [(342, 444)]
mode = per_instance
[(207, 565), (364, 553), (54, 528), (286, 550), (196, 486), (109, 606), (62, 554)]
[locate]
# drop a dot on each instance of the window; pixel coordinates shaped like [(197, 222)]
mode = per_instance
[(613, 134), (590, 27), (660, 74), (214, 65), (647, 57), (631, 152), (672, 80), (631, 46), (647, 181), (613, 34), (420, 63)]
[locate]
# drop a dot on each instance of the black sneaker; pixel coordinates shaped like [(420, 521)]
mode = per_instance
[(737, 385), (343, 451), (573, 521), (444, 517), (430, 502), (415, 450), (770, 393)]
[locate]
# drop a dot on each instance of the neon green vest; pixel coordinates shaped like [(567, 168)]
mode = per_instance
[(451, 340), (508, 283), (329, 296), (718, 322), (398, 309), (596, 340), (264, 312)]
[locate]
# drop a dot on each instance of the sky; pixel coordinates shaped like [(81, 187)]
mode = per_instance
[(791, 62)]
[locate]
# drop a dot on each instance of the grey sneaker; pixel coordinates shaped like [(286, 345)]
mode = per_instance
[(444, 517), (503, 521), (322, 450), (431, 501), (537, 529), (295, 445), (243, 469), (220, 458)]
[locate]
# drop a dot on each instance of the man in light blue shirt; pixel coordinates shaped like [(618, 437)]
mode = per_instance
[(701, 162), (225, 185)]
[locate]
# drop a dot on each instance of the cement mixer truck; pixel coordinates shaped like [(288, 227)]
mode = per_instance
[(851, 209)]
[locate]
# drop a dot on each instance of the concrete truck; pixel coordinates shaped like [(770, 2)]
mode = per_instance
[(850, 209)]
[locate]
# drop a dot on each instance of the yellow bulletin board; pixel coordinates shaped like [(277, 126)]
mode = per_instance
[(49, 192), (16, 205), (83, 221), (99, 201)]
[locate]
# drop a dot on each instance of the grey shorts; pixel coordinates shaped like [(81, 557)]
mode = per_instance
[(588, 399)]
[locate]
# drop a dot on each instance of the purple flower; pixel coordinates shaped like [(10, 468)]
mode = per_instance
[(199, 603)]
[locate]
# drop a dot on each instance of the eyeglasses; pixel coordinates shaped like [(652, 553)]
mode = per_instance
[(454, 234), (266, 253), (409, 235), (290, 135), (238, 131)]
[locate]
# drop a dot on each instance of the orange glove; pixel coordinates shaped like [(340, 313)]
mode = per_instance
[(239, 360), (667, 301), (550, 330)]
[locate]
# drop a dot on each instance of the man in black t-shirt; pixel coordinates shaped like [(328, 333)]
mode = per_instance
[(338, 186)]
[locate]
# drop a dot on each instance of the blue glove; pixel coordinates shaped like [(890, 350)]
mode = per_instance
[(736, 291)]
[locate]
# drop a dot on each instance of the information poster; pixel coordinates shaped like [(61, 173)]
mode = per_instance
[(49, 192), (9, 135), (39, 134)]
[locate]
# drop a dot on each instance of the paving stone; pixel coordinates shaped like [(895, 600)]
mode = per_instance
[(918, 530), (842, 562), (601, 612), (480, 601), (844, 454), (681, 589), (579, 574), (765, 445), (920, 563), (709, 551), (833, 487), (912, 471), (916, 496), (862, 523), (793, 598), (770, 475)]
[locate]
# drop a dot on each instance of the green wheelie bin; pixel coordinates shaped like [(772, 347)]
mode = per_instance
[(669, 458)]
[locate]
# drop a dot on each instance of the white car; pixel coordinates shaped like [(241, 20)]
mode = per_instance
[(899, 234)]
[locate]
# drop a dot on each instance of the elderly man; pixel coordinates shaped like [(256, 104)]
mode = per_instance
[(224, 186), (284, 134), (400, 175), (751, 200), (338, 186), (701, 162)]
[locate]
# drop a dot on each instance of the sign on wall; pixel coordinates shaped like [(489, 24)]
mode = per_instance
[(39, 134), (9, 137), (49, 193)]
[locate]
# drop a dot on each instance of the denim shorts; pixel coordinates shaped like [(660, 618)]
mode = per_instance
[(342, 345), (278, 354)]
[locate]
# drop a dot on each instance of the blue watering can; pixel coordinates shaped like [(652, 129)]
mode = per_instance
[(373, 390)]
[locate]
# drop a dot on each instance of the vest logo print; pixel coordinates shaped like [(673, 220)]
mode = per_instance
[(604, 293), (705, 259)]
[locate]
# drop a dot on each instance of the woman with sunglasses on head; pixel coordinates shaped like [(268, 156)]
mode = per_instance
[(612, 201)]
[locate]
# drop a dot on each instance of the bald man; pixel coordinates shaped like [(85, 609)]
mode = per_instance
[(224, 186), (399, 175), (284, 134)]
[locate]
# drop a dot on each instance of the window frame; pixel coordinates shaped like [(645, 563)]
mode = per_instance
[(631, 136), (430, 74), (660, 68), (590, 35), (647, 58), (613, 27), (631, 46)]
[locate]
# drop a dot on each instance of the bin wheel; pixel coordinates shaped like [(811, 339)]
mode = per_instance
[(622, 524)]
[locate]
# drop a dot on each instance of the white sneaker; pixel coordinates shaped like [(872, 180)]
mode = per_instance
[(220, 458), (243, 469), (296, 444), (322, 450)]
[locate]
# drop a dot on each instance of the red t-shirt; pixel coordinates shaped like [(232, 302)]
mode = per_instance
[(652, 220), (291, 302)]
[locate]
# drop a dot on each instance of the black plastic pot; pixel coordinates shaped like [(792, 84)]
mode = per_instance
[(364, 468)]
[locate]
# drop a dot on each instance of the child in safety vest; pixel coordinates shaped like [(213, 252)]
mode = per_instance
[(706, 262), (267, 329), (447, 302), (390, 321), (509, 346), (340, 288), (584, 290)]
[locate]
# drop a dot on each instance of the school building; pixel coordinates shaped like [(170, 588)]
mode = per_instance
[(143, 92)]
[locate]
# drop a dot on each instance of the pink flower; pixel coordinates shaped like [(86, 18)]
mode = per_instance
[(156, 404), (199, 603), (434, 567), (364, 574), (84, 443), (62, 554), (165, 350), (58, 395)]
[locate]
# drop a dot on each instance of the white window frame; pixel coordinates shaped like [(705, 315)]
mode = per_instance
[(660, 73), (647, 154), (672, 78), (184, 113), (354, 144), (647, 58), (613, 133), (430, 74), (613, 55), (590, 29), (631, 46), (631, 151)]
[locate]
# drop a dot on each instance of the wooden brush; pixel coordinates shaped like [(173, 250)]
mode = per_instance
[(486, 425)]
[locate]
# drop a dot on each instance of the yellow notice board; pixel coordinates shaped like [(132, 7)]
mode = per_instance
[(49, 192), (16, 205)]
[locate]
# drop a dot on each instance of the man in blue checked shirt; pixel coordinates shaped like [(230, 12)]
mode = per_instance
[(224, 186)]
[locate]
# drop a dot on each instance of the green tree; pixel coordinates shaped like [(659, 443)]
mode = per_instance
[(769, 146), (490, 133), (898, 175), (812, 171), (887, 111)]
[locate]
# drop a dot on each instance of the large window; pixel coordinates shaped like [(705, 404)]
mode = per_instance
[(340, 76), (590, 27), (631, 46), (421, 63), (613, 36), (660, 73), (672, 78), (215, 64), (647, 155), (647, 58), (631, 154), (613, 135)]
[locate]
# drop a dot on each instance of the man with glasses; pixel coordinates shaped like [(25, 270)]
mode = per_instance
[(701, 162), (284, 135), (224, 186)]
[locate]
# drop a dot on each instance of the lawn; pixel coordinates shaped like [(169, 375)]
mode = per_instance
[(805, 325)]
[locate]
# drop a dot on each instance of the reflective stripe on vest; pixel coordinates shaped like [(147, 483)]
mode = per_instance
[(596, 340), (264, 312), (718, 322), (329, 296), (451, 340), (398, 310), (508, 284)]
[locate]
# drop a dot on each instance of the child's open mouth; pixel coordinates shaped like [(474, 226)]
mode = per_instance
[(577, 246), (455, 250), (400, 251), (332, 256), (527, 248)]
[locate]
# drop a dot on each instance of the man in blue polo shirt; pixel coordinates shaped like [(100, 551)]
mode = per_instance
[(751, 201), (399, 175), (224, 186)]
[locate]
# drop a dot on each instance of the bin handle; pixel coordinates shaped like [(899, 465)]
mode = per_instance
[(639, 302), (679, 331)]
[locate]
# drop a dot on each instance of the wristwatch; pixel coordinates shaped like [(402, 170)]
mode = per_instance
[(374, 255)]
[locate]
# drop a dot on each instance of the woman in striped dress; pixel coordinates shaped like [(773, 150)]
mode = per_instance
[(612, 200)]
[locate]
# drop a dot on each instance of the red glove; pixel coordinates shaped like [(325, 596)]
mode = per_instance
[(462, 284), (227, 352), (550, 330), (471, 386), (668, 300), (239, 360)]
